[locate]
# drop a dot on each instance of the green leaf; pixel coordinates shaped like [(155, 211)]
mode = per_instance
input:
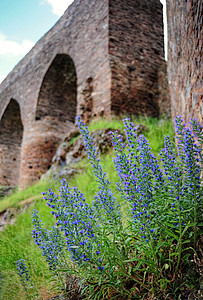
[(172, 234), (131, 260), (185, 242), (174, 254)]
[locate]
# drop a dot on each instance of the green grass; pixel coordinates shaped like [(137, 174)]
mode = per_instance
[(33, 191), (16, 241), (157, 129)]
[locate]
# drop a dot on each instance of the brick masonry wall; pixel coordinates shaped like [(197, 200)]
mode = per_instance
[(185, 38), (136, 48)]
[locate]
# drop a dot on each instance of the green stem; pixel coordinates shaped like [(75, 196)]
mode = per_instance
[(180, 239), (195, 217), (62, 282), (152, 247)]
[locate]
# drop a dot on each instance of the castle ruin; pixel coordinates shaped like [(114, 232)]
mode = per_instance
[(102, 57)]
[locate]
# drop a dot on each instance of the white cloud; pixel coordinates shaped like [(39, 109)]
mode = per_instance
[(10, 53), (8, 47), (59, 6), (2, 77)]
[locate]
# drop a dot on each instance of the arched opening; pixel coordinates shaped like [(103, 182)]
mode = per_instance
[(11, 133), (58, 93)]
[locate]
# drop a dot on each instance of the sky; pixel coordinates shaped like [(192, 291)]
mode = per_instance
[(22, 24)]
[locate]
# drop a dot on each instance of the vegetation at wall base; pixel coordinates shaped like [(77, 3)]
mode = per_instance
[(136, 241)]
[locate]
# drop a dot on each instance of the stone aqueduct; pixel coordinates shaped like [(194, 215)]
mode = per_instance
[(101, 57)]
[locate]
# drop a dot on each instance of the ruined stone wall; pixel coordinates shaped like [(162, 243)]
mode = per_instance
[(102, 56), (81, 34), (136, 48), (185, 57)]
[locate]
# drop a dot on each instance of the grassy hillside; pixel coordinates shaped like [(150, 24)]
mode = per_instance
[(16, 241)]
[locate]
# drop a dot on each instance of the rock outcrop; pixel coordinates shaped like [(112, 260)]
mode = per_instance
[(71, 151)]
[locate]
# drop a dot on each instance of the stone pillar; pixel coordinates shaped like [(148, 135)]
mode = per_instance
[(11, 133), (40, 142)]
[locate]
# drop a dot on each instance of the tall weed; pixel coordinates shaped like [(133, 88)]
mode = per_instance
[(140, 254)]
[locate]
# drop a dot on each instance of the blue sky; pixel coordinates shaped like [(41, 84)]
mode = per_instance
[(22, 24)]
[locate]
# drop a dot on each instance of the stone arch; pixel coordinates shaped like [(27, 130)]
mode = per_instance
[(11, 134), (58, 93)]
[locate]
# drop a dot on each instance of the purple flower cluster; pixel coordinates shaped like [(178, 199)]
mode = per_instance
[(50, 241), (189, 144), (184, 171), (76, 219), (171, 169), (173, 182), (104, 200), (140, 175), (23, 272)]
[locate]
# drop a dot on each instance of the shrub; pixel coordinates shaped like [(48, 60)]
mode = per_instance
[(138, 249)]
